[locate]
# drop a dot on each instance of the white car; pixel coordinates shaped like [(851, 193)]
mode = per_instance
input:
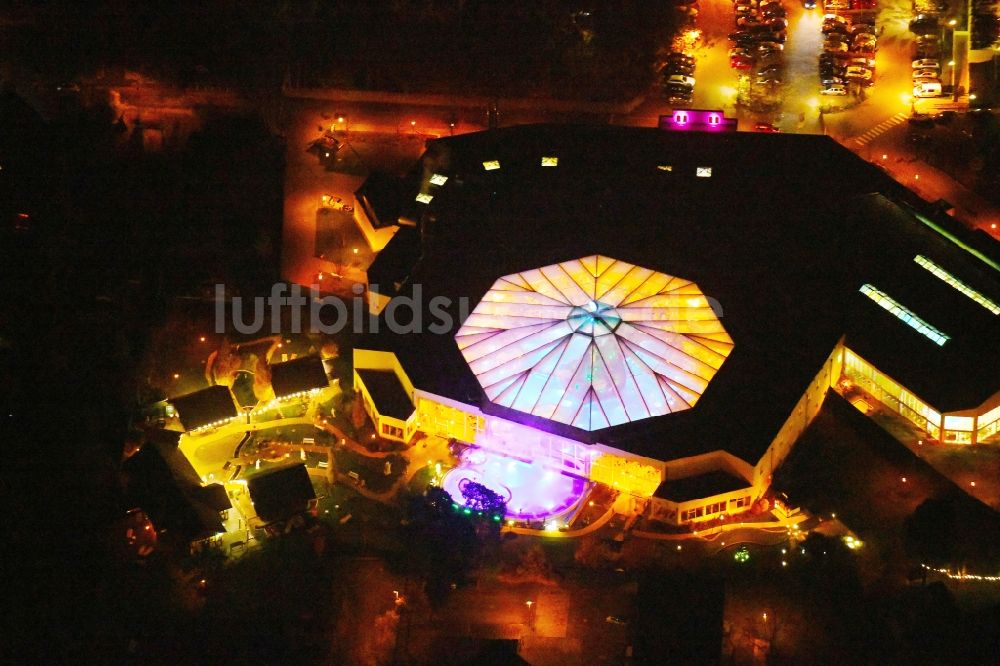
[(919, 74), (682, 80), (834, 89), (927, 89), (926, 63)]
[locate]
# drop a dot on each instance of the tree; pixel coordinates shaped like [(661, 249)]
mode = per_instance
[(930, 532), (481, 499), (442, 541)]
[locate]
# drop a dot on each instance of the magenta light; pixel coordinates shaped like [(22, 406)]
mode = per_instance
[(681, 118), (532, 490)]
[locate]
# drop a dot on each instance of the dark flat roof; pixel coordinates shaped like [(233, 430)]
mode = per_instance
[(281, 493), (383, 196), (395, 263), (163, 483), (786, 267), (388, 393), (702, 485), (301, 374), (208, 405)]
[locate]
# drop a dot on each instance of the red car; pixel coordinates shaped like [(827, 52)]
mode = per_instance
[(741, 62)]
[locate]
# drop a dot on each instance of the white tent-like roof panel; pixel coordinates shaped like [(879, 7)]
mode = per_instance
[(594, 342)]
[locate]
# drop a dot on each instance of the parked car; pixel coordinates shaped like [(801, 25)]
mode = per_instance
[(681, 79), (835, 47), (924, 74), (863, 39), (926, 63), (860, 73), (809, 4), (335, 202), (834, 89), (765, 127), (770, 46), (741, 62), (679, 68), (927, 89), (922, 24), (921, 120)]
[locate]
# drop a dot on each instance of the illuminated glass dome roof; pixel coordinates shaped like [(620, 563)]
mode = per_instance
[(594, 342)]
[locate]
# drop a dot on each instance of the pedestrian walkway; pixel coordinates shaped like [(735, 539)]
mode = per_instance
[(881, 128)]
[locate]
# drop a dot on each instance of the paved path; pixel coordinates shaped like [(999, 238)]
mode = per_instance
[(881, 128)]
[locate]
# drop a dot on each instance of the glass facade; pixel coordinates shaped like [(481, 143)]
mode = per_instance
[(989, 425), (594, 342), (891, 395)]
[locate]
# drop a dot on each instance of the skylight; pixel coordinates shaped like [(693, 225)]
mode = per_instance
[(550, 161), (490, 165), (904, 315), (438, 179), (703, 172), (594, 342), (424, 198), (664, 167), (950, 279)]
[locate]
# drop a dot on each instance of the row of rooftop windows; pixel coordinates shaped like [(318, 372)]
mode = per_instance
[(886, 302)]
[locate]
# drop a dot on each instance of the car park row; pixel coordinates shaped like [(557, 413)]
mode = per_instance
[(848, 58), (759, 39)]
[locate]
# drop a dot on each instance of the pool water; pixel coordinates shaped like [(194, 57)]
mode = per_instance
[(532, 490)]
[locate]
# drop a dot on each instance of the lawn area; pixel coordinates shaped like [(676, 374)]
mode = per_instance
[(845, 464), (966, 465), (371, 470)]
